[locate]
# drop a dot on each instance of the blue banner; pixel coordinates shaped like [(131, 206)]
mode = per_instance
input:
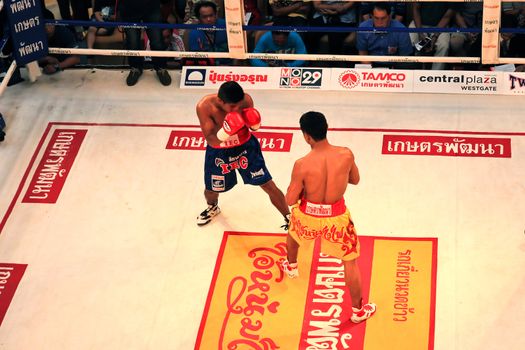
[(26, 26)]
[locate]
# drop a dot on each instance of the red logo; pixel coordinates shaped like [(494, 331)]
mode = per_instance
[(10, 276), (56, 163), (384, 76), (195, 140), (447, 146), (349, 79), (241, 163)]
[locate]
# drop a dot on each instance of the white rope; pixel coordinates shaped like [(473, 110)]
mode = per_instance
[(272, 56), (7, 77)]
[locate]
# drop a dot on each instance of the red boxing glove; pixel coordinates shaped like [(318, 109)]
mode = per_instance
[(252, 118), (232, 123)]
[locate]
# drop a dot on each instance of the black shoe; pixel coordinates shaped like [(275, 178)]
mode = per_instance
[(133, 76), (164, 77)]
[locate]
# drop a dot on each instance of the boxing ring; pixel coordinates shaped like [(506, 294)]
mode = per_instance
[(111, 258)]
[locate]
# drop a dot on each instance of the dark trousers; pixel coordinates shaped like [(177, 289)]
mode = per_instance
[(79, 7), (134, 39), (335, 39)]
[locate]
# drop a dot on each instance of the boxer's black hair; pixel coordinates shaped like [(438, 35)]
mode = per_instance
[(314, 124), (231, 92)]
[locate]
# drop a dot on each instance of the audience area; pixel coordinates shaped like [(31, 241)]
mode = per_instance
[(348, 17)]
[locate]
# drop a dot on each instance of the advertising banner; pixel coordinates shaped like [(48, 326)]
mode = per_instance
[(457, 82), (26, 25), (380, 80), (213, 77), (513, 83)]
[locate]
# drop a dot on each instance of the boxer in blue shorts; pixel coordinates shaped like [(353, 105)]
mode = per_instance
[(227, 119)]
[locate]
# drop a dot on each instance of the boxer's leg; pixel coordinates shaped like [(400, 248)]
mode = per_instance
[(353, 282), (277, 198), (212, 199)]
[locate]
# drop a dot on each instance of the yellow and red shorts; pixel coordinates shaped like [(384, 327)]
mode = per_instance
[(331, 223)]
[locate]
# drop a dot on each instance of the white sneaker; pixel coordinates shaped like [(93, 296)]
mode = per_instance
[(208, 214), (364, 313), (291, 269)]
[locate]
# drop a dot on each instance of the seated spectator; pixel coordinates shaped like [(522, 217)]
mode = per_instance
[(468, 15), (172, 11), (103, 11), (296, 12), (432, 15), (58, 36), (190, 16), (512, 44), (208, 40), (384, 43), (252, 13), (283, 42), (398, 11), (332, 14)]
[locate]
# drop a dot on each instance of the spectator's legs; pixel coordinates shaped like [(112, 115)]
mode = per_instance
[(65, 11), (155, 38), (80, 10), (458, 43), (313, 38), (134, 42), (442, 48)]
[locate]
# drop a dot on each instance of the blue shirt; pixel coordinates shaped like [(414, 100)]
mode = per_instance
[(294, 45), (384, 43), (209, 41)]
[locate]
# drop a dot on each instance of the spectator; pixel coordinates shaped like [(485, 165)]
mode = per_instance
[(58, 36), (431, 15), (172, 11), (253, 15), (332, 14), (103, 11), (512, 44), (296, 12), (209, 40), (398, 11), (468, 15), (282, 42), (190, 17), (384, 43), (146, 11)]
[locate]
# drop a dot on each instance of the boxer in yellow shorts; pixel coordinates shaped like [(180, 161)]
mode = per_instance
[(331, 223), (316, 194)]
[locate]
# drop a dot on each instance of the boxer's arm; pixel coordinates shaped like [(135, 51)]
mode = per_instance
[(353, 176), (252, 118), (296, 187), (208, 126), (233, 122)]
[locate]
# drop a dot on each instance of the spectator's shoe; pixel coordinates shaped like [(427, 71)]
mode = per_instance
[(208, 214), (364, 313), (133, 76), (164, 77), (291, 269), (286, 223)]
